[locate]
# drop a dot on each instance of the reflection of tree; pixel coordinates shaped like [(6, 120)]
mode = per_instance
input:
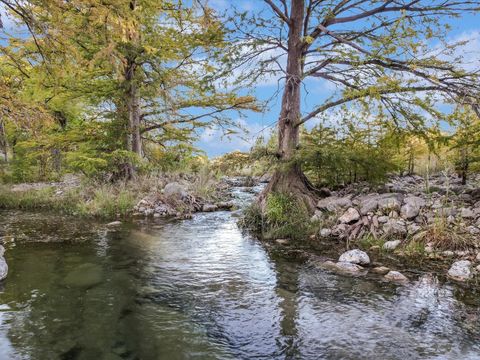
[(287, 289)]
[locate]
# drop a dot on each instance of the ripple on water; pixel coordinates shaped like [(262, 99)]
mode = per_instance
[(200, 289)]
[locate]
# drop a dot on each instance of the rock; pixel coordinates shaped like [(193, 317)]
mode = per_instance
[(317, 216), (396, 276), (460, 270), (333, 203), (478, 268), (324, 233), (340, 230), (382, 270), (412, 207), (355, 256), (368, 204), (467, 213), (225, 205), (477, 258), (265, 178), (473, 230), (391, 203), (413, 229), (84, 276), (175, 190), (395, 227), (114, 223), (282, 241), (209, 207), (349, 216), (2, 250), (3, 268), (348, 267), (448, 253), (383, 219), (391, 245)]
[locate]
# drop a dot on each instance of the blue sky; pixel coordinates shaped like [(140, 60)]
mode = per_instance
[(467, 27)]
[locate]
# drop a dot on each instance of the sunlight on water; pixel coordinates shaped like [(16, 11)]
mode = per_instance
[(200, 289)]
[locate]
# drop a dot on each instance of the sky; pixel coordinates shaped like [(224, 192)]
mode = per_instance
[(212, 140)]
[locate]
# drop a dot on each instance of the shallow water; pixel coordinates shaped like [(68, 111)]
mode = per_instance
[(199, 289)]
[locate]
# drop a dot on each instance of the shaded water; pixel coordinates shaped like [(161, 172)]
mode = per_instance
[(199, 289)]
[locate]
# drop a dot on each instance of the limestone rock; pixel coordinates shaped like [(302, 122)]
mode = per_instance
[(460, 270), (325, 232), (348, 267), (396, 276), (209, 207), (349, 216), (391, 245), (334, 203), (382, 270), (114, 223), (3, 268), (355, 256), (467, 213)]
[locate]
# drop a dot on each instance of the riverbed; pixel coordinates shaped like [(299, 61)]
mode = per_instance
[(201, 289)]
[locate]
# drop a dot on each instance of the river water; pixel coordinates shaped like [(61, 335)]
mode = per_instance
[(200, 289)]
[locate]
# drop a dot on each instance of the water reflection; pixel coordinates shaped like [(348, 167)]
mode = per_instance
[(199, 289)]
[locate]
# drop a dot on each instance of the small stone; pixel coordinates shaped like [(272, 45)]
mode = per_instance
[(467, 213), (325, 232), (114, 223), (349, 216), (396, 276), (391, 245), (478, 257), (448, 253), (355, 256), (382, 270), (473, 230), (209, 207), (383, 219), (460, 270), (282, 241)]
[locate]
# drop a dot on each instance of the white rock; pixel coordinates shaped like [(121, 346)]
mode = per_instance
[(355, 256), (3, 268), (383, 219), (391, 245), (325, 232), (382, 270), (460, 270), (478, 257), (349, 216), (114, 223), (396, 276)]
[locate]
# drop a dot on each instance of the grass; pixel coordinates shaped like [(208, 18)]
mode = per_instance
[(444, 236)]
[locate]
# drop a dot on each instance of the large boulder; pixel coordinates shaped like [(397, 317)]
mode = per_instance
[(460, 270), (334, 203), (175, 190), (349, 216), (355, 256)]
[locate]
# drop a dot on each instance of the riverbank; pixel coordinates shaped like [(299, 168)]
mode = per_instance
[(166, 195), (409, 222)]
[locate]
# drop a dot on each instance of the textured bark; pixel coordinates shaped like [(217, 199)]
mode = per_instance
[(3, 140), (288, 177)]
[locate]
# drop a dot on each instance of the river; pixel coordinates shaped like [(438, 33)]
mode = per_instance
[(200, 289)]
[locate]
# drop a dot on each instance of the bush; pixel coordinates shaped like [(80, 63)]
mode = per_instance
[(283, 217)]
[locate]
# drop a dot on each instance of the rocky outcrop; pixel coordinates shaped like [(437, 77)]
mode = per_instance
[(404, 207)]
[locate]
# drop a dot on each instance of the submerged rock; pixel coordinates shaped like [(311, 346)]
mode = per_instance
[(355, 256), (348, 267), (395, 276), (84, 276), (460, 270)]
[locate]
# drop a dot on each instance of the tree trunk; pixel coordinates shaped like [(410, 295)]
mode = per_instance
[(3, 140), (288, 177)]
